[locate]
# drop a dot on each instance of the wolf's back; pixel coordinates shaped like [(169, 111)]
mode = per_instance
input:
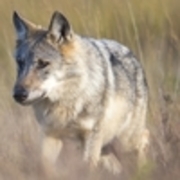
[(127, 72)]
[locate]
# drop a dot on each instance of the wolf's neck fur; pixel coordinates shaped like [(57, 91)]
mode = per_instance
[(57, 114)]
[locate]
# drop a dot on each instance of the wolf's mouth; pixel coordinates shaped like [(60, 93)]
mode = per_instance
[(33, 98)]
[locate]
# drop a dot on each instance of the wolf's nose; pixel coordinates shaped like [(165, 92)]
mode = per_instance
[(20, 94)]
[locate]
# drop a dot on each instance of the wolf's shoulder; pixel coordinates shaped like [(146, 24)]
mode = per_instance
[(115, 51), (112, 47)]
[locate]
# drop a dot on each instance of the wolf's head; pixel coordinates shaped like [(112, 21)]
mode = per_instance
[(41, 56)]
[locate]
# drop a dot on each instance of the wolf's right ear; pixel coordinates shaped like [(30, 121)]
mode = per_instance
[(59, 28), (22, 26)]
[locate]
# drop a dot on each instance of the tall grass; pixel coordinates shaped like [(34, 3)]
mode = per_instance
[(150, 28)]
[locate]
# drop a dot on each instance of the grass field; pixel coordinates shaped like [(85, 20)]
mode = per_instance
[(152, 30)]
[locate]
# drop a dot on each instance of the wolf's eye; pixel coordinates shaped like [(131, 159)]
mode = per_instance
[(42, 64)]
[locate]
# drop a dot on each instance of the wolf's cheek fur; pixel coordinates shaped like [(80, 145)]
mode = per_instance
[(49, 87)]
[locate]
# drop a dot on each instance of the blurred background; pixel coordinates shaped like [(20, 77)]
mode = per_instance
[(152, 30)]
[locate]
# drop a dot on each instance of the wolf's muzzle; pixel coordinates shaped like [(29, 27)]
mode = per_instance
[(20, 94)]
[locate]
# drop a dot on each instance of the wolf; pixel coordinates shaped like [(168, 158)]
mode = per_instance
[(93, 90)]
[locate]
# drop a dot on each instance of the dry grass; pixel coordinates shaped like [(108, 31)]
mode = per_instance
[(152, 30)]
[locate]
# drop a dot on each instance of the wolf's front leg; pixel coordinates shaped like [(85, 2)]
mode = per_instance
[(93, 153), (51, 149), (92, 147)]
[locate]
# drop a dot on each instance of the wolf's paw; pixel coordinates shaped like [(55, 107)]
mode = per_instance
[(111, 163)]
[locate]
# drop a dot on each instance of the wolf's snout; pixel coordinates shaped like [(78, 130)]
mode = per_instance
[(20, 94)]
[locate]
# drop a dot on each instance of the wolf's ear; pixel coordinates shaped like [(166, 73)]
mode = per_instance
[(22, 26), (59, 28)]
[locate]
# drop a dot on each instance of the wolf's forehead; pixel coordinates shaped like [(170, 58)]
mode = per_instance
[(37, 50), (45, 50)]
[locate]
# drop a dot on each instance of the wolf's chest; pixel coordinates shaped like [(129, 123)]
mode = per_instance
[(62, 123)]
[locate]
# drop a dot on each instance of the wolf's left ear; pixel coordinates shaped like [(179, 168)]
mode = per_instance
[(23, 27), (59, 28)]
